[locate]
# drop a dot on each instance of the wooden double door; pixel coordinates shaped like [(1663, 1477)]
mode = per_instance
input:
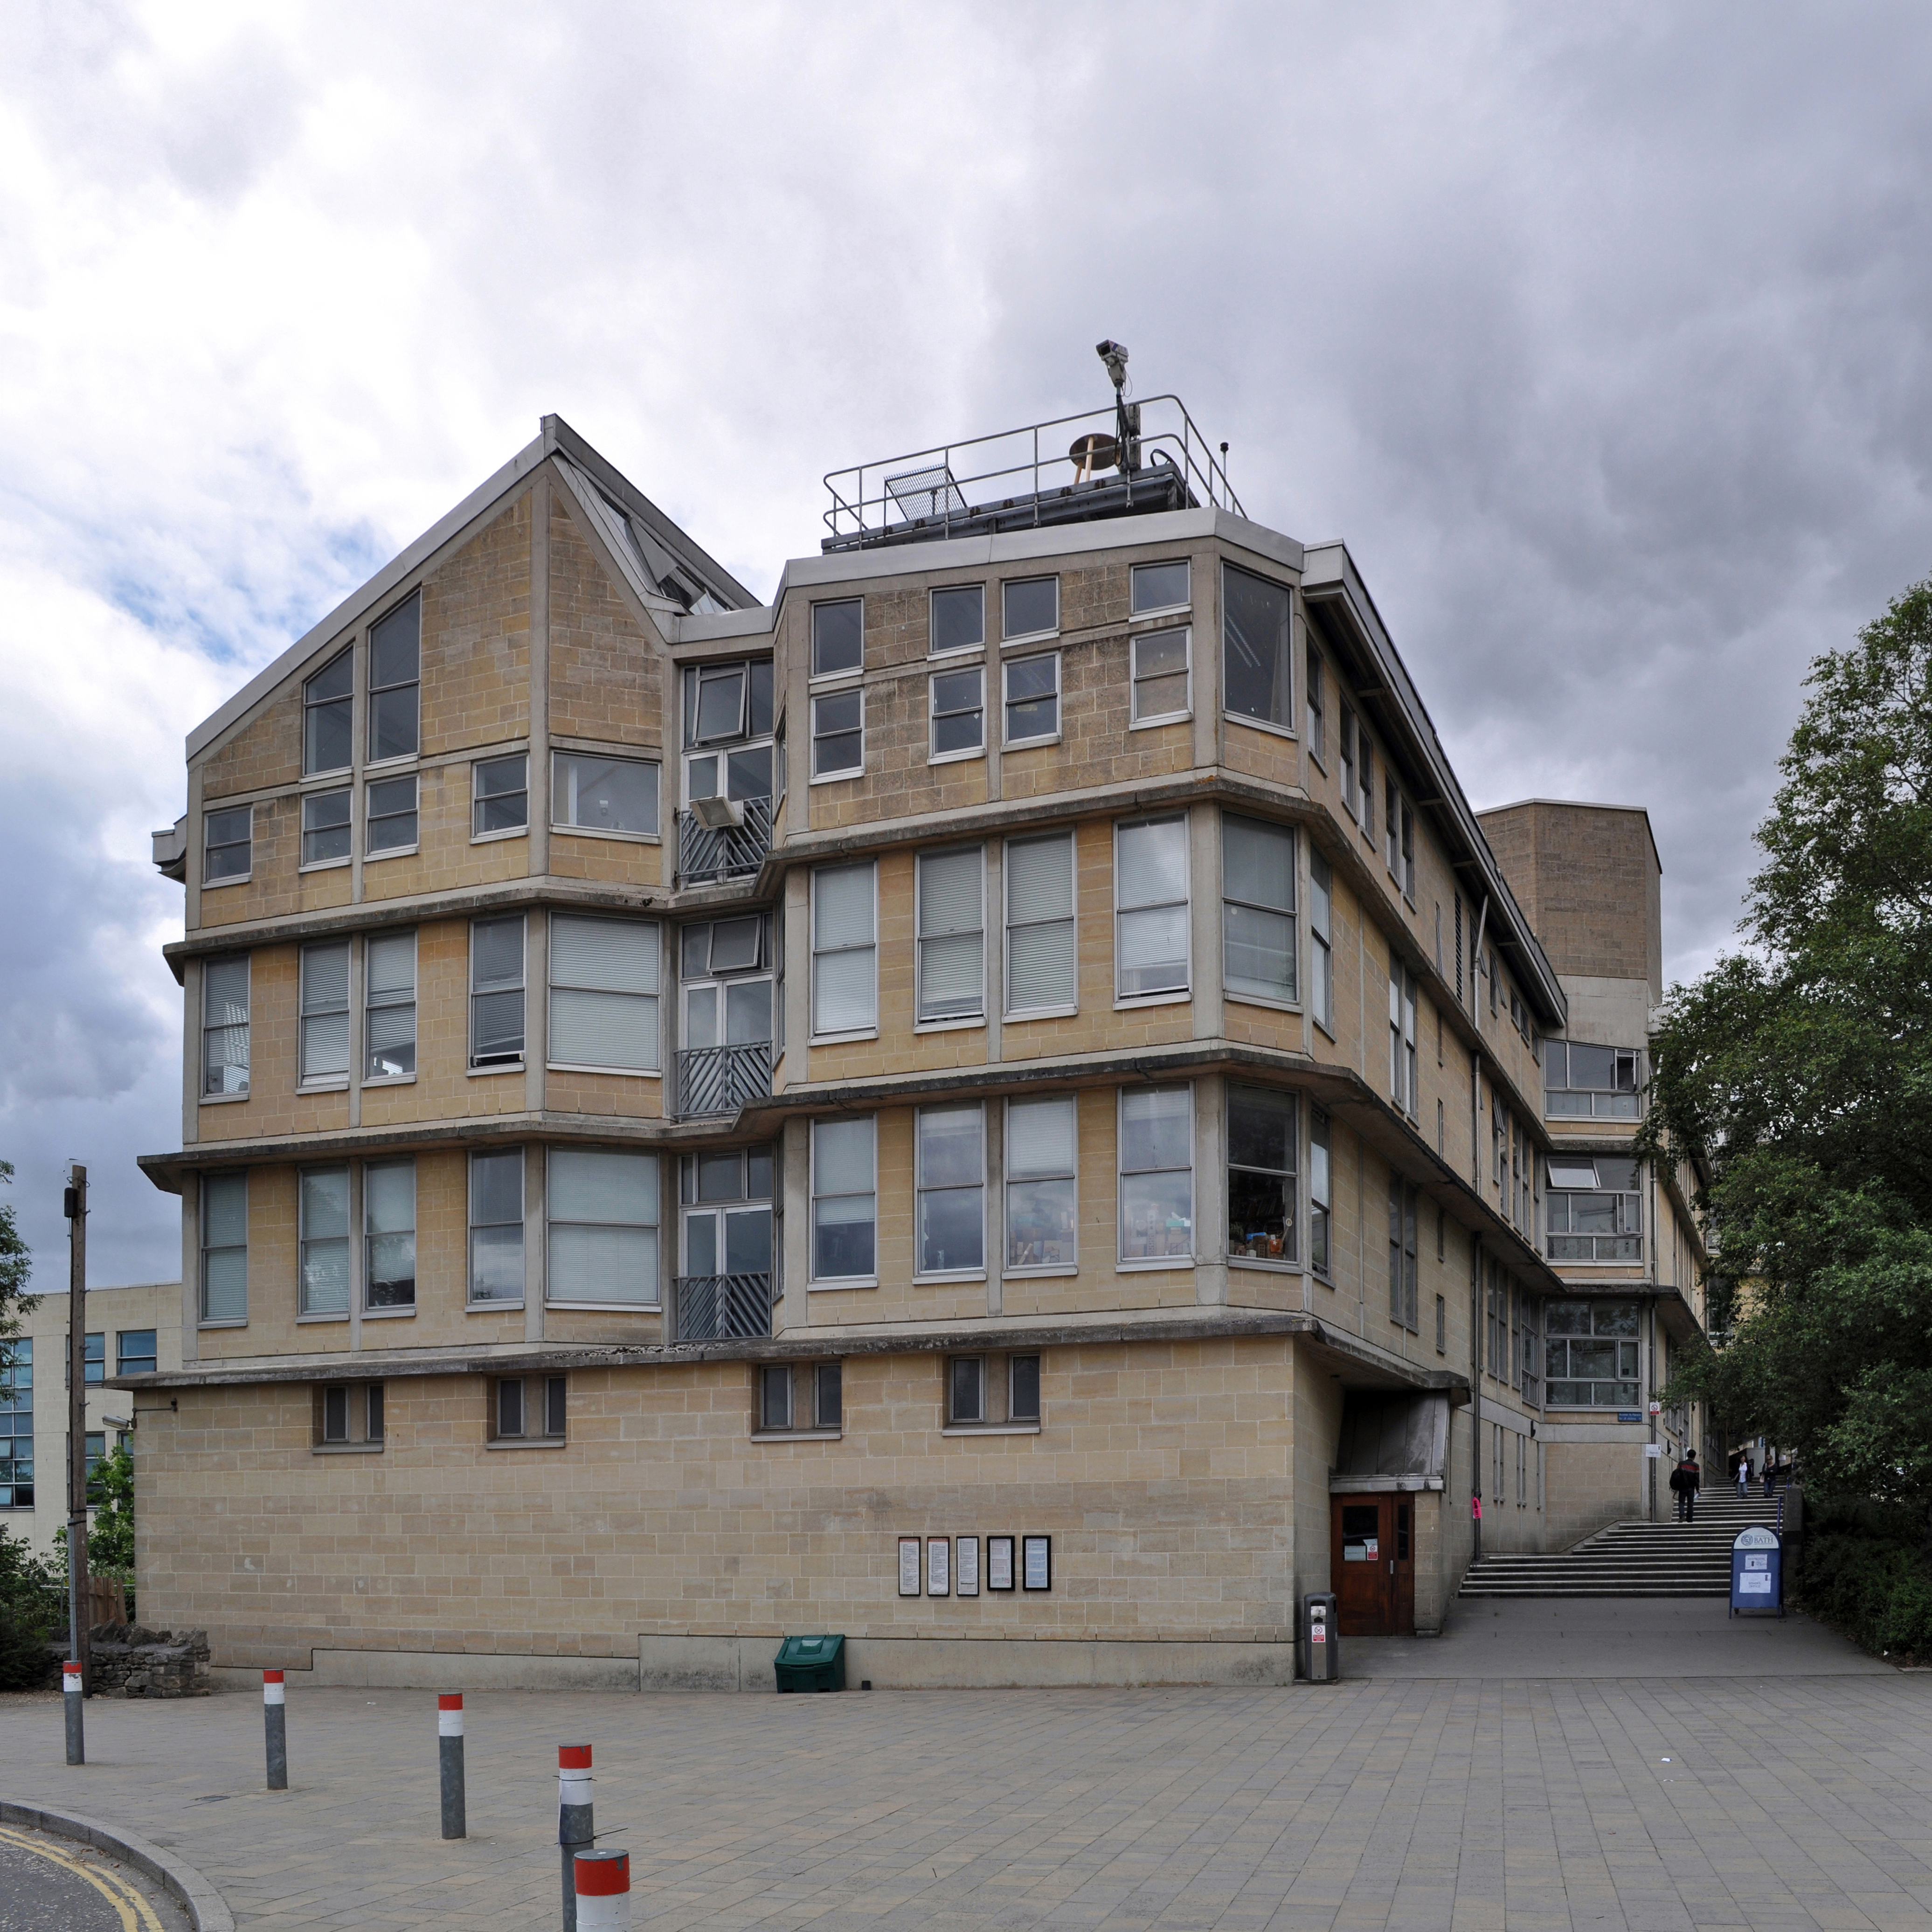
[(1372, 1564)]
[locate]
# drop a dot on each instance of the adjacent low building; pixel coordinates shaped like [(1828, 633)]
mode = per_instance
[(997, 1104)]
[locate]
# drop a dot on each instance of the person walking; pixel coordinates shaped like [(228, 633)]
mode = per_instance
[(1685, 1481), (1744, 1478)]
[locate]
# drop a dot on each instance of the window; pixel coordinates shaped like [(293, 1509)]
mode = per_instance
[(389, 1232), (1392, 827), (827, 1395), (1257, 681), (959, 700), (94, 1447), (727, 712), (991, 1391), (1405, 1274), (720, 701), (1258, 908), (135, 1353), (1365, 758), (524, 1408), (838, 734), (389, 815), (496, 992), (1320, 1191), (1441, 1325), (1262, 1133), (727, 1202), (324, 1211), (952, 936), (324, 1012), (1032, 699), (838, 637), (966, 1389), (1150, 957), (844, 1200), (725, 967), (1029, 607), (1351, 795), (1408, 871), (389, 1015), (328, 703), (1042, 1165), (500, 795), (496, 1228), (1040, 959), (1157, 1130), (1160, 676), (775, 1410), (1595, 1211), (1318, 699), (603, 1215), (604, 992), (1459, 948), (951, 1183), (325, 832), (93, 1361), (844, 950), (395, 657), (958, 618), (1322, 953), (228, 844), (1023, 1388), (598, 794), (224, 1024), (1530, 1351), (1160, 587), (349, 1414), (1495, 983), (16, 1424), (224, 1247), (1581, 1081), (1591, 1353), (1402, 1087)]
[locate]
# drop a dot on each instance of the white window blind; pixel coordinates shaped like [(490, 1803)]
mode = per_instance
[(1258, 908), (952, 935), (603, 976), (844, 1199), (1041, 1143), (325, 1241), (844, 982), (1039, 924), (325, 1011), (496, 991), (224, 1024), (1151, 893), (603, 1225), (389, 1020), (1156, 1161), (224, 1247)]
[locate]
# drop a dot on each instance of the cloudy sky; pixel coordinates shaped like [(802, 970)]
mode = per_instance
[(1601, 334)]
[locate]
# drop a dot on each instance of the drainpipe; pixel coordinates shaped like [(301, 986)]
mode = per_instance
[(1477, 1307)]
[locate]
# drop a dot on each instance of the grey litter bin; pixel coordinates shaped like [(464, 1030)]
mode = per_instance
[(1321, 1639)]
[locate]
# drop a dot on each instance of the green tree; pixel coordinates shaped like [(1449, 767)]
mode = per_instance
[(15, 1264), (110, 1541), (1802, 1067), (33, 1606)]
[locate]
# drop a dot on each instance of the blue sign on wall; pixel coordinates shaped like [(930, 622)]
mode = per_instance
[(1629, 1415), (1757, 1571)]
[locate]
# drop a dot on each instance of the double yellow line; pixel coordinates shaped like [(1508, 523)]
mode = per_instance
[(136, 1914)]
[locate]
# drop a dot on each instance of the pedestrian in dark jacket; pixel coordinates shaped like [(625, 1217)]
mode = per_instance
[(1685, 1481)]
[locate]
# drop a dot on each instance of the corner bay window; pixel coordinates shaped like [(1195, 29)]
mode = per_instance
[(1156, 1176), (1257, 680), (728, 743), (593, 793), (1258, 908), (1042, 1167), (1150, 902), (1262, 1133), (1591, 1353), (726, 1205), (603, 1227), (1594, 1212), (1580, 1081), (844, 1200), (951, 1185)]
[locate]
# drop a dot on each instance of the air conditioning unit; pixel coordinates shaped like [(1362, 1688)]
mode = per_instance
[(717, 813)]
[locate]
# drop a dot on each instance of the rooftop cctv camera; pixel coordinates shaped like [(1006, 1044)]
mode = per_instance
[(1114, 354)]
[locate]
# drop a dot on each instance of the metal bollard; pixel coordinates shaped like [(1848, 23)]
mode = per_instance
[(77, 1733), (603, 1891), (574, 1831), (449, 1748), (274, 1725)]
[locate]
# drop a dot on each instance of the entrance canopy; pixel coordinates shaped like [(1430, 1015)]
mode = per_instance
[(1391, 1442)]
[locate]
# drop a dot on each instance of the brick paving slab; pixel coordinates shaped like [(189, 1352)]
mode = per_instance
[(1388, 1804)]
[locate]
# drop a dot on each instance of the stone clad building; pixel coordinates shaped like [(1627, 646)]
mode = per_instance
[(995, 1104)]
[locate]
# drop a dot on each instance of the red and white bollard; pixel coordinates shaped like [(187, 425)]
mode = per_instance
[(575, 1830), (274, 1724), (449, 1749), (76, 1735), (603, 1891)]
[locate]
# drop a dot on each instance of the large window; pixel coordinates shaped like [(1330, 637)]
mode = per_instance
[(16, 1422), (389, 1014), (844, 1200), (726, 1203), (224, 1247), (1032, 687), (1042, 1166), (325, 1013), (1321, 942), (1262, 1141), (951, 937), (1150, 902), (1318, 706), (1580, 1081), (1320, 1192), (1257, 680), (326, 832), (951, 1185), (604, 975), (593, 793), (725, 966), (496, 992), (603, 1216), (1594, 1211), (389, 1234), (958, 701), (838, 637), (1156, 1162), (328, 701), (228, 844), (395, 662), (1040, 958), (844, 950), (1591, 1353), (496, 1228), (727, 737), (324, 1240), (1405, 1271), (224, 1024), (1258, 908)]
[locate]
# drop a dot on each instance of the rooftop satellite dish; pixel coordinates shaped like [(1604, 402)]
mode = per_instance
[(1092, 454)]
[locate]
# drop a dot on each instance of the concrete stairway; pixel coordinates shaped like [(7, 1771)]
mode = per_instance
[(1634, 1559)]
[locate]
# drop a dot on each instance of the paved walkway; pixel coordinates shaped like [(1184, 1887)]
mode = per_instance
[(1646, 1804)]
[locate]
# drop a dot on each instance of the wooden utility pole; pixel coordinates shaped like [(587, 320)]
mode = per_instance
[(75, 1203)]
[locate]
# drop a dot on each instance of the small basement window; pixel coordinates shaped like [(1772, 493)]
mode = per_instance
[(528, 1409), (993, 1391), (800, 1399), (348, 1415)]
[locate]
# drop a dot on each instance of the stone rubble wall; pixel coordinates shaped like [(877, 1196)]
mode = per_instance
[(130, 1661)]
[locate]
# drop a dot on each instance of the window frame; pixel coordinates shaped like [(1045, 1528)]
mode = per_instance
[(1034, 741), (372, 1004), (499, 1063), (210, 846), (125, 1364), (934, 755), (1153, 611), (228, 1177), (1052, 630), (1163, 996), (311, 704), (472, 1302), (1291, 1000), (1011, 1269), (479, 834), (922, 1021), (1284, 726), (651, 934), (934, 593), (305, 1310), (1289, 1260), (1070, 917), (549, 1395), (815, 1282), (372, 852), (1137, 720), (1320, 1196), (1320, 941), (1404, 1254), (845, 773), (397, 1309), (561, 756), (1314, 677), (1634, 1381), (244, 1026), (331, 1081), (816, 676), (325, 795), (920, 1189), (372, 690), (1153, 1264), (870, 1030), (652, 1194)]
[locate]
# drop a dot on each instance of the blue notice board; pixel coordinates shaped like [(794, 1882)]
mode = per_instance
[(1757, 1571)]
